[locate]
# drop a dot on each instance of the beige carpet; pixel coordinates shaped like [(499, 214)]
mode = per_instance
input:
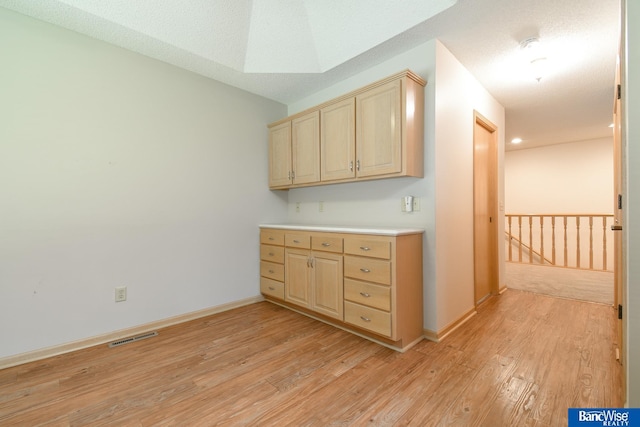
[(585, 285)]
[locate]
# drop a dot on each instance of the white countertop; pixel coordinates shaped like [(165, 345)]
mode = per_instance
[(384, 231)]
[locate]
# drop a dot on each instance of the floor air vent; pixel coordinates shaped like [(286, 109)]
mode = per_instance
[(132, 339)]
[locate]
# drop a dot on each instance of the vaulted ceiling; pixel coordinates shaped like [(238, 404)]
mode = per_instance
[(288, 49)]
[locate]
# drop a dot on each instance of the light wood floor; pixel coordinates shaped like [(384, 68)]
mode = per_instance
[(523, 360)]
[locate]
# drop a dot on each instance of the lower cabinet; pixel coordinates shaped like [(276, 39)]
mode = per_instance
[(368, 284), (314, 280)]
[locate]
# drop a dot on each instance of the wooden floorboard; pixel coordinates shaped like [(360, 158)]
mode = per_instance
[(522, 360)]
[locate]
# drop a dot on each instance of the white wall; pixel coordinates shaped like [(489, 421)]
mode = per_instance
[(575, 177), (458, 95), (116, 169), (450, 97), (631, 100)]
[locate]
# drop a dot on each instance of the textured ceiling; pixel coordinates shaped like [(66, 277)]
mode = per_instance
[(249, 44)]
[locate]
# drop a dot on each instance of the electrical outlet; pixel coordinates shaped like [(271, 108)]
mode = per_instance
[(121, 293)]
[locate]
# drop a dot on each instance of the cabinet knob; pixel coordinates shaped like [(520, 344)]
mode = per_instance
[(365, 248), (364, 294), (366, 319), (365, 270)]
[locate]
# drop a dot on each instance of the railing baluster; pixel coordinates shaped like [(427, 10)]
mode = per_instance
[(590, 242), (530, 239), (604, 242), (519, 238), (565, 240), (510, 240), (541, 239), (553, 240), (577, 241)]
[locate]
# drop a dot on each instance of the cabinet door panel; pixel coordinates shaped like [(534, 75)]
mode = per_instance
[(327, 285), (280, 155), (305, 134), (337, 141), (297, 277), (378, 130)]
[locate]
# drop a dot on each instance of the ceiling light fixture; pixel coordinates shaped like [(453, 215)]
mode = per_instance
[(516, 140), (534, 54)]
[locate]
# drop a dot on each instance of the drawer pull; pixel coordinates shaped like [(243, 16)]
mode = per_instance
[(365, 270), (271, 238), (271, 271), (271, 254), (366, 319), (271, 288), (296, 241), (366, 295), (365, 248), (326, 245)]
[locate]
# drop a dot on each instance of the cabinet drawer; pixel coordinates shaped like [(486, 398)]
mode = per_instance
[(272, 253), (368, 318), (327, 244), (272, 270), (368, 247), (370, 270), (272, 288), (368, 294), (298, 240), (272, 237)]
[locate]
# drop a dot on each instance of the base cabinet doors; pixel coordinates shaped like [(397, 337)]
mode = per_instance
[(297, 277), (326, 284), (314, 280)]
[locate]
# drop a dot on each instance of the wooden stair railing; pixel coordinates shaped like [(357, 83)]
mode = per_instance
[(576, 243)]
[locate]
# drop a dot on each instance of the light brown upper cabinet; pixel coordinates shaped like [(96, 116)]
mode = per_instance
[(294, 151), (374, 132), (378, 130), (280, 155), (338, 141)]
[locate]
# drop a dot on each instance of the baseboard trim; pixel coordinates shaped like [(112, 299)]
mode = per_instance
[(444, 332), (32, 356)]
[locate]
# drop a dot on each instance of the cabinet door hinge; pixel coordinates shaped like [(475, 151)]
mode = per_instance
[(620, 311)]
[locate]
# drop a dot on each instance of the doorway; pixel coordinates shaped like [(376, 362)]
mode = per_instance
[(485, 212)]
